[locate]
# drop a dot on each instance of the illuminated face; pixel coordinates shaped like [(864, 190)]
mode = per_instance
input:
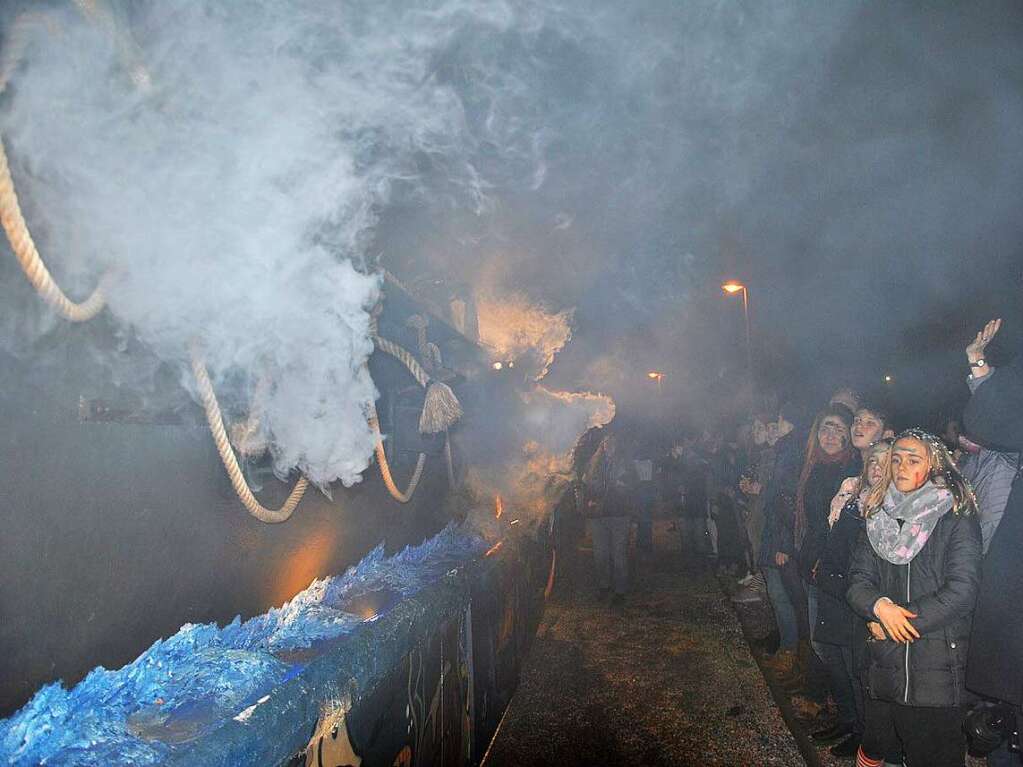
[(911, 466), (832, 434), (866, 429), (759, 432), (875, 468)]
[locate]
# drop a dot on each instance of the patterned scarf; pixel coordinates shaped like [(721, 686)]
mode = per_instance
[(919, 511)]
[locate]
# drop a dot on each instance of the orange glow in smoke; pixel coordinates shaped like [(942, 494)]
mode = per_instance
[(307, 562), (498, 507), (494, 549)]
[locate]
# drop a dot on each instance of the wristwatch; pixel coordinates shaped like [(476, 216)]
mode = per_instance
[(979, 363)]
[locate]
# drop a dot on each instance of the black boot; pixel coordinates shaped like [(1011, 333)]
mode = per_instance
[(848, 747), (832, 734)]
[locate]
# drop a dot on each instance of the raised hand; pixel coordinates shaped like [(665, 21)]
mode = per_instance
[(975, 351)]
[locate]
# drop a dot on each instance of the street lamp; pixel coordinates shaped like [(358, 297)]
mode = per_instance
[(656, 375), (731, 287)]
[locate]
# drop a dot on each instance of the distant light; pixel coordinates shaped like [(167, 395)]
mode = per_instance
[(733, 286), (511, 364), (497, 365), (888, 378), (655, 375)]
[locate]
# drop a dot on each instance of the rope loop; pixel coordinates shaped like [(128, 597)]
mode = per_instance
[(230, 460)]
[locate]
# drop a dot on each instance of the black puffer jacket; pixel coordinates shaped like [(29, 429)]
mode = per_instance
[(940, 585), (836, 622), (821, 486)]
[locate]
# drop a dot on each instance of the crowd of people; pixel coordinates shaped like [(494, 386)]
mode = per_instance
[(891, 559)]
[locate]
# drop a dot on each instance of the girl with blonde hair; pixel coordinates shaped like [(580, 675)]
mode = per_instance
[(916, 572)]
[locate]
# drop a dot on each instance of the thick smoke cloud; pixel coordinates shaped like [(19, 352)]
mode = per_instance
[(234, 193), (613, 158)]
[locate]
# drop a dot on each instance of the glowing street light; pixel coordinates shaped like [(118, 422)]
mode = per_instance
[(888, 378), (732, 287), (656, 375)]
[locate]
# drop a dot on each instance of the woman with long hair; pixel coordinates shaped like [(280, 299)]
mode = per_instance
[(916, 572), (839, 633), (829, 459)]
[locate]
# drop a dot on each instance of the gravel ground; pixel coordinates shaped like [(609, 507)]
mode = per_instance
[(667, 679)]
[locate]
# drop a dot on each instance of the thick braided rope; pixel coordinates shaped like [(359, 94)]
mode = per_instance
[(230, 461), (385, 467), (29, 259), (404, 356)]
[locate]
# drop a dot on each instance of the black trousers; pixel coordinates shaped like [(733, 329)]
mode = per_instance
[(928, 737)]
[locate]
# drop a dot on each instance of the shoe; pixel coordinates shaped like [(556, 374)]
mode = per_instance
[(806, 708), (781, 663), (794, 683), (831, 735), (745, 596), (848, 747), (765, 646), (758, 584)]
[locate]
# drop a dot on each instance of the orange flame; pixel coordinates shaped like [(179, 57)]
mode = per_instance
[(498, 507), (494, 549)]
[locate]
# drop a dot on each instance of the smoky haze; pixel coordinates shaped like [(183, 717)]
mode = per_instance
[(859, 166)]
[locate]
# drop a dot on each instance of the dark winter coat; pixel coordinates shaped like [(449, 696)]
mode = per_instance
[(940, 585), (994, 418), (821, 486), (780, 499), (696, 479), (604, 483), (836, 622)]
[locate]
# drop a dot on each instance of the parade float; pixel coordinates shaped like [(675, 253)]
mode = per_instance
[(180, 583)]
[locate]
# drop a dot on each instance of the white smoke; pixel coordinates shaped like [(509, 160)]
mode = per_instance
[(234, 196)]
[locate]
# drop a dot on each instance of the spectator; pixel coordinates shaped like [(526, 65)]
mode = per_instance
[(829, 460), (695, 503), (756, 477), (724, 482), (607, 520), (916, 572), (847, 397), (839, 631), (777, 548), (991, 473), (644, 497), (994, 418), (870, 424)]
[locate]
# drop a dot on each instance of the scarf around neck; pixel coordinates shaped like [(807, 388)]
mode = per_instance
[(919, 512)]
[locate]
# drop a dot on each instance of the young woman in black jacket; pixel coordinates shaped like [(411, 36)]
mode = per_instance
[(916, 572), (841, 633)]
